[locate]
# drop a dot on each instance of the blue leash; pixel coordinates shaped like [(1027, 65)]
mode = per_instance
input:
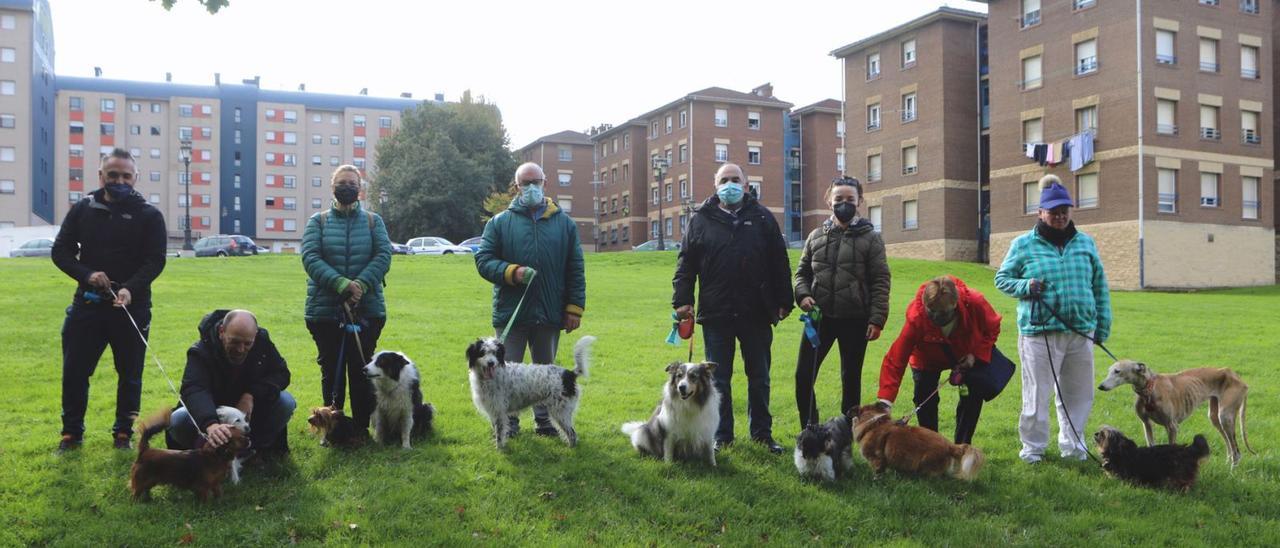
[(339, 380)]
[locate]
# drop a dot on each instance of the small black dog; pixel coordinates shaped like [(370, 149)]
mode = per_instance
[(1170, 465), (825, 451)]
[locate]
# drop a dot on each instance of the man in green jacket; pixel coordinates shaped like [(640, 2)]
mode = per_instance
[(346, 253), (535, 244)]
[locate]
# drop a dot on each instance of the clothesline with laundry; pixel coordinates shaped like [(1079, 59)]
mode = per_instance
[(1078, 149)]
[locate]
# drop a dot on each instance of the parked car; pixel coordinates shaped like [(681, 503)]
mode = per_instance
[(400, 249), (39, 247), (225, 245), (430, 245), (473, 243), (652, 245)]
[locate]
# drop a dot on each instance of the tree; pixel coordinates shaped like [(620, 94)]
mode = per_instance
[(436, 171), (495, 203), (212, 5)]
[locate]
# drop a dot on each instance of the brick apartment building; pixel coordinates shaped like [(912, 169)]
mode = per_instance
[(695, 134), (914, 135), (566, 159), (1180, 190), (818, 158)]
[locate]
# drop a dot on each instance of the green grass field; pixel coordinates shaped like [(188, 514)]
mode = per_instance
[(456, 488)]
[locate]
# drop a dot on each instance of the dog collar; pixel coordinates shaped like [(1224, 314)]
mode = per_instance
[(862, 428)]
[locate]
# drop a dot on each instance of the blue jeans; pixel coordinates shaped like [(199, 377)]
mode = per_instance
[(268, 428), (755, 338), (86, 333)]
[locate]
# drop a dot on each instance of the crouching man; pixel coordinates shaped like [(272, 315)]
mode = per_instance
[(234, 364)]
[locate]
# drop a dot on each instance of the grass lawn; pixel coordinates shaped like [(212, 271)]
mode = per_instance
[(456, 488)]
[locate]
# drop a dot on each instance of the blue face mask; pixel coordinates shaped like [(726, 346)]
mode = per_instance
[(531, 195), (730, 193), (118, 191)]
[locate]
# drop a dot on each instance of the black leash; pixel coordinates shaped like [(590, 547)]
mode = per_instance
[(1039, 300)]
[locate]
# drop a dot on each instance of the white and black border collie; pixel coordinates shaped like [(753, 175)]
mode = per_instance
[(399, 410), (683, 427), (501, 389), (825, 451)]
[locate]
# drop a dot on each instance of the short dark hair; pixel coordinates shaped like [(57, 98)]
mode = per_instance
[(845, 181), (121, 153)]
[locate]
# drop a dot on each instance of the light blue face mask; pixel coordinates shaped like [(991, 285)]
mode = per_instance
[(730, 193), (531, 195)]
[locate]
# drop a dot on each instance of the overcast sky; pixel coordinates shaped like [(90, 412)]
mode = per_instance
[(550, 66)]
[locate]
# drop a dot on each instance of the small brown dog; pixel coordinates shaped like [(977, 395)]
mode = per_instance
[(200, 470), (335, 428), (910, 449)]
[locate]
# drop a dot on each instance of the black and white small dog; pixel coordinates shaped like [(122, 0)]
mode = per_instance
[(825, 451), (684, 424), (501, 389), (399, 410), (234, 417)]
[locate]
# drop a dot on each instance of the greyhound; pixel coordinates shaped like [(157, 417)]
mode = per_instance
[(1169, 399)]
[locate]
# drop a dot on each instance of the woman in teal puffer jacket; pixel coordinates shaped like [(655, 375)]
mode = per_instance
[(346, 253)]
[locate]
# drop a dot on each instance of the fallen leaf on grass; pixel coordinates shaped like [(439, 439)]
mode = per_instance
[(547, 495), (187, 538), (558, 517), (353, 526), (258, 508)]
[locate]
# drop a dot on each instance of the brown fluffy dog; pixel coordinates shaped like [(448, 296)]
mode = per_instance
[(335, 428), (200, 470), (910, 449)]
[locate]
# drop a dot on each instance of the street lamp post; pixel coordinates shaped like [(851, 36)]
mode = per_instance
[(660, 166), (186, 170)]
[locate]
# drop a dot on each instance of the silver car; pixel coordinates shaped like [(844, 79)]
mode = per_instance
[(39, 247), (429, 245)]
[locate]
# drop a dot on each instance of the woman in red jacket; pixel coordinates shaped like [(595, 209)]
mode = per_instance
[(948, 325)]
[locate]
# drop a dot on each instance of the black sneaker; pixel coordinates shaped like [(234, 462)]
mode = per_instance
[(768, 442), (121, 441), (69, 443)]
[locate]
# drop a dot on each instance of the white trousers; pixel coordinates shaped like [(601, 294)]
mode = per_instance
[(1073, 362)]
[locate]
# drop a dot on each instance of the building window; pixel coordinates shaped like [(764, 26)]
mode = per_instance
[(1167, 191), (1164, 47), (8, 87), (315, 203), (358, 120), (874, 216), (1030, 13), (1249, 134), (910, 211), (1033, 131), (873, 66), (840, 129), (873, 168), (684, 188), (684, 121), (1087, 190), (290, 181), (1087, 119), (1209, 123), (626, 140), (1249, 62), (753, 120), (184, 134), (1087, 57), (107, 128), (565, 179), (908, 107), (358, 142), (1031, 76), (8, 22), (722, 152), (235, 181), (1030, 197), (155, 153), (316, 181), (840, 162), (316, 160), (73, 197), (8, 186), (8, 55), (76, 104), (184, 111), (1209, 190), (290, 138), (155, 176), (753, 156), (155, 131), (335, 140), (384, 122), (566, 153), (668, 125), (237, 114), (909, 53), (317, 139), (290, 225), (722, 117), (154, 198), (909, 166), (873, 117), (1166, 117), (1249, 197), (684, 154), (8, 121), (333, 161), (1249, 6), (666, 192), (77, 127), (1208, 55), (108, 105)]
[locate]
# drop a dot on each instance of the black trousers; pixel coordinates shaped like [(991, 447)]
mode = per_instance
[(852, 335), (86, 333), (332, 340), (967, 409)]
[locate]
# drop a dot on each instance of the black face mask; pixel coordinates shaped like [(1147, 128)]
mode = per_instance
[(118, 191), (346, 194), (845, 211)]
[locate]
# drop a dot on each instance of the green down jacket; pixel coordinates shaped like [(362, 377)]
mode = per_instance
[(346, 248), (549, 245)]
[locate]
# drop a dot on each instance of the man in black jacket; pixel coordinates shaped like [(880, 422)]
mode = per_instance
[(112, 241), (235, 364), (734, 250)]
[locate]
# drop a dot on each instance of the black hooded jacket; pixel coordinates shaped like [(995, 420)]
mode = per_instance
[(125, 239), (739, 263), (210, 380)]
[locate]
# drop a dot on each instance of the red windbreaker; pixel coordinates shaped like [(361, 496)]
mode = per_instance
[(976, 330)]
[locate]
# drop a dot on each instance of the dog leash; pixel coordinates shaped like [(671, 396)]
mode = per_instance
[(530, 274), (1056, 385), (172, 388), (1039, 300), (906, 419), (673, 338), (812, 320), (349, 327)]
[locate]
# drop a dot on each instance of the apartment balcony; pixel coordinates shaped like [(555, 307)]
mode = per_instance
[(1210, 134), (908, 116), (1206, 66), (873, 126), (1030, 18), (1249, 6), (910, 170), (1166, 129), (873, 176), (1033, 83), (1251, 74), (1162, 59), (1250, 137), (1087, 65)]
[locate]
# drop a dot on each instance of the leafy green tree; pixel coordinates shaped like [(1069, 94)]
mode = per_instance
[(436, 171), (212, 5)]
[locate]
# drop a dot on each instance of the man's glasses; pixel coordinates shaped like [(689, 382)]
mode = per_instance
[(532, 182)]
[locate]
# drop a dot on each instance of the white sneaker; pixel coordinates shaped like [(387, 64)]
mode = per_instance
[(1075, 456), (1031, 459)]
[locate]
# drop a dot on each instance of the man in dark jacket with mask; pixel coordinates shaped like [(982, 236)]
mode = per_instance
[(112, 243), (733, 249), (235, 364)]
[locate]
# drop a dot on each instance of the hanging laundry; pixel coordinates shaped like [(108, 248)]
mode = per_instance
[(1029, 149), (1082, 145), (1057, 153), (1041, 150)]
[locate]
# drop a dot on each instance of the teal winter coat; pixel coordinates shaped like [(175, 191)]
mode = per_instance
[(548, 244), (347, 249)]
